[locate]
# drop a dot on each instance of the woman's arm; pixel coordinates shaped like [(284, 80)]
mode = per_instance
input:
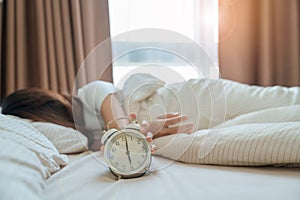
[(111, 109), (163, 125), (101, 96)]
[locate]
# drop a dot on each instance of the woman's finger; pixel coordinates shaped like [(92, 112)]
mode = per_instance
[(153, 148), (158, 125), (168, 115), (132, 116), (175, 120), (184, 128), (149, 137), (144, 127)]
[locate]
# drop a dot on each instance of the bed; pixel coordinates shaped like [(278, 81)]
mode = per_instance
[(248, 159), (88, 178)]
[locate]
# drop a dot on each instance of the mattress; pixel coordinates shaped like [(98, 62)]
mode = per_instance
[(89, 178)]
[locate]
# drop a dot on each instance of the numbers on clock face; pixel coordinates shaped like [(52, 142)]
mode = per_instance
[(127, 152)]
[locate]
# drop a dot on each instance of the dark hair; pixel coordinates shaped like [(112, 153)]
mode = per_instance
[(40, 105)]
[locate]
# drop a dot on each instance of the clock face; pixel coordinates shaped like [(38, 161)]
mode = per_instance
[(127, 153)]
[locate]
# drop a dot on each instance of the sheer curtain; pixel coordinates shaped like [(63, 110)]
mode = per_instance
[(206, 29), (195, 19)]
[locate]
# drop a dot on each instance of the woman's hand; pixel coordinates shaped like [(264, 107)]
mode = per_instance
[(167, 124)]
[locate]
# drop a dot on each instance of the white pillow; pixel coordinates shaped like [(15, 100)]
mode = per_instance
[(24, 134), (270, 115), (66, 140), (240, 145)]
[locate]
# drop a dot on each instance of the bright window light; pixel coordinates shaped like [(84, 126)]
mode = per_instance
[(176, 15), (195, 19)]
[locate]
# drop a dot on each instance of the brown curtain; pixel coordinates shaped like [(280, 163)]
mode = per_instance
[(259, 41), (1, 16), (45, 42)]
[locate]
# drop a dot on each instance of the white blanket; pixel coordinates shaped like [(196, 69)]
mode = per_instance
[(207, 102), (235, 124), (27, 158)]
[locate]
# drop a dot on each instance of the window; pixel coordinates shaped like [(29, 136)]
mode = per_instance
[(193, 19)]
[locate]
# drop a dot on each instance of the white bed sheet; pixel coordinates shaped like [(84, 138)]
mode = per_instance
[(88, 178)]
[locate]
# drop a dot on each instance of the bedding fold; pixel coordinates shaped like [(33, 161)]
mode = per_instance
[(27, 159)]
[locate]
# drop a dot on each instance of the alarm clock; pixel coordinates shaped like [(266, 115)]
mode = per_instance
[(126, 151)]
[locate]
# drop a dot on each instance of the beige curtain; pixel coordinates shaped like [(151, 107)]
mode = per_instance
[(259, 41), (46, 41)]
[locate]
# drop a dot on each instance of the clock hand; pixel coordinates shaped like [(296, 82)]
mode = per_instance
[(127, 150)]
